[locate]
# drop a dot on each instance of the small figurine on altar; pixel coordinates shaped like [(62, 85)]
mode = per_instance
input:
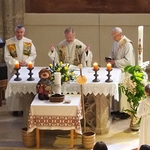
[(44, 86)]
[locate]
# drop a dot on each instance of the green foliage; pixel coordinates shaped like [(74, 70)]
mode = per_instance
[(133, 86)]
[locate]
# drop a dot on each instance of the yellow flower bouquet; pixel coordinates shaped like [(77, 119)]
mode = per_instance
[(66, 73)]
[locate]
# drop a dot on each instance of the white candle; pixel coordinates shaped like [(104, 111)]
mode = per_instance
[(57, 78), (140, 45), (17, 66), (57, 89), (95, 65), (109, 66), (30, 65)]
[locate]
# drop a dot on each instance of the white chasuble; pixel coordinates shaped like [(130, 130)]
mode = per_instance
[(70, 53)]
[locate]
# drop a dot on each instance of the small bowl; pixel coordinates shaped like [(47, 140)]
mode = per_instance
[(67, 101)]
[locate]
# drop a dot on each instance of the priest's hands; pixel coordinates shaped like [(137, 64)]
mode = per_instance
[(87, 48), (23, 63), (51, 47), (112, 61)]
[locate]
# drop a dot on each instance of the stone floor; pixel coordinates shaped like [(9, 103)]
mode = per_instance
[(120, 137)]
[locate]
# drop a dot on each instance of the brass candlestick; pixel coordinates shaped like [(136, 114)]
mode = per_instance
[(108, 75), (17, 74), (30, 74), (96, 75)]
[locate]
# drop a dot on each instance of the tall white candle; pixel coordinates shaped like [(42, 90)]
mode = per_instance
[(57, 78), (140, 45), (57, 89)]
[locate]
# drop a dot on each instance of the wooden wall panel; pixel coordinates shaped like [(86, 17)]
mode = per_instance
[(87, 6)]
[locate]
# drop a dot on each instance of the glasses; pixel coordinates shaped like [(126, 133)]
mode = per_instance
[(114, 37)]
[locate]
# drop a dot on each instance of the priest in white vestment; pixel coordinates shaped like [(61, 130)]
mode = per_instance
[(122, 54), (71, 51), (143, 112), (22, 50)]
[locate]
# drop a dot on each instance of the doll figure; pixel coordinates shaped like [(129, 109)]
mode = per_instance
[(44, 87)]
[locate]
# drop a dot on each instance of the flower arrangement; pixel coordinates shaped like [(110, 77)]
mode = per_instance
[(133, 85), (66, 73)]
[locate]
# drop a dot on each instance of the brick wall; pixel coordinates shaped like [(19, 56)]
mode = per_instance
[(87, 6)]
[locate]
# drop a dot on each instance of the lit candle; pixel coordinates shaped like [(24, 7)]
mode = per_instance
[(95, 65), (17, 65), (30, 65), (109, 66), (140, 45)]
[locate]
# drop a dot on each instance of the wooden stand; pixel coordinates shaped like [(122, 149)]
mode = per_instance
[(3, 85), (72, 136)]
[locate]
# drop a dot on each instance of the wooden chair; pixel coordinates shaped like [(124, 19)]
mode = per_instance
[(3, 85)]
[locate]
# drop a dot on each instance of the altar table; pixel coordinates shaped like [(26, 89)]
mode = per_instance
[(46, 115), (97, 94), (101, 87)]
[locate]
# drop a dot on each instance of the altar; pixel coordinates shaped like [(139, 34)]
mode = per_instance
[(46, 115), (97, 95)]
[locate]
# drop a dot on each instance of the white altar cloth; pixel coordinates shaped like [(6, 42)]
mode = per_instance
[(23, 86), (101, 87), (56, 115)]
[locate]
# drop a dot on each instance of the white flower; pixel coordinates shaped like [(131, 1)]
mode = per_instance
[(144, 82), (129, 85), (145, 75)]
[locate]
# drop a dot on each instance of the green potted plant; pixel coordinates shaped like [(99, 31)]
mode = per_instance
[(134, 81)]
